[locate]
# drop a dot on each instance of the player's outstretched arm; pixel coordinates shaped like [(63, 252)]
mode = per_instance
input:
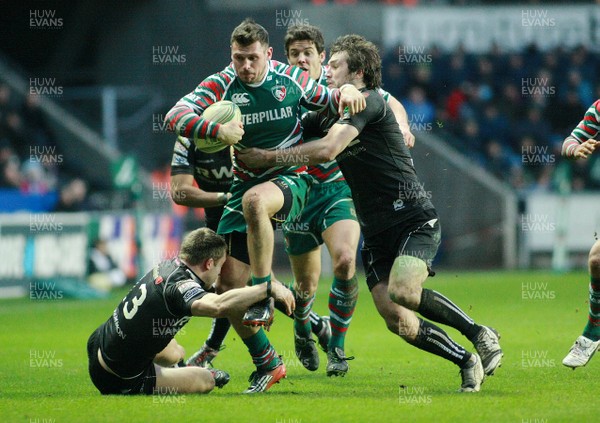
[(237, 300), (185, 193)]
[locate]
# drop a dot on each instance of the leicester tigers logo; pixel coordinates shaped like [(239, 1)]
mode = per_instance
[(278, 92)]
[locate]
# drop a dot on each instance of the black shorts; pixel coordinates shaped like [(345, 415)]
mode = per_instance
[(107, 383), (419, 237), (237, 246)]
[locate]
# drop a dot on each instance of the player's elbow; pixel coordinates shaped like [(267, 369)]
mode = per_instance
[(328, 154), (179, 196)]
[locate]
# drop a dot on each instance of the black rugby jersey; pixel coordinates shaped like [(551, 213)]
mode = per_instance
[(149, 316), (377, 166)]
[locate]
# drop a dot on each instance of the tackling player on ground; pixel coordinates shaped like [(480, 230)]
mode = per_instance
[(132, 352), (399, 223), (269, 94), (580, 145)]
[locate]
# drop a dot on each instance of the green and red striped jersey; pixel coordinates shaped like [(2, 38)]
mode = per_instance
[(270, 110), (587, 129), (590, 125)]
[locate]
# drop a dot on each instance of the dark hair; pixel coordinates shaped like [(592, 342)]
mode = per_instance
[(249, 32), (302, 33), (202, 244), (362, 55)]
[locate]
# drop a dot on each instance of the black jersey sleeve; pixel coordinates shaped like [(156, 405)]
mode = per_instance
[(182, 162), (180, 296), (316, 124), (374, 111)]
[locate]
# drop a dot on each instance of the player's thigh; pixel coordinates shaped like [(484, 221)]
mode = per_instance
[(341, 239), (183, 380), (419, 242), (234, 274), (306, 269)]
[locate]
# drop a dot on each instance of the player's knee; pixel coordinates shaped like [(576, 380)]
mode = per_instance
[(404, 294), (594, 262), (344, 265), (253, 205), (201, 380)]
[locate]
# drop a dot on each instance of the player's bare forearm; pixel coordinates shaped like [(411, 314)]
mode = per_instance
[(237, 300), (311, 153), (185, 193)]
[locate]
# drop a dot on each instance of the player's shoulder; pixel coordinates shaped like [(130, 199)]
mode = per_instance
[(219, 81), (177, 276), (596, 106), (373, 97), (294, 72)]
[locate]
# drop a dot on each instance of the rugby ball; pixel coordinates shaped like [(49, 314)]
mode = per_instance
[(222, 112)]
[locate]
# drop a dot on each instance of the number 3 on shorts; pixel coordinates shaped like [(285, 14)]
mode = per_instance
[(137, 301)]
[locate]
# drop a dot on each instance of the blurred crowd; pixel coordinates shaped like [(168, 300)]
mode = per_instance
[(30, 161), (507, 112)]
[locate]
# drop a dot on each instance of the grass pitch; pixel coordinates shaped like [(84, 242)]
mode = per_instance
[(43, 371)]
